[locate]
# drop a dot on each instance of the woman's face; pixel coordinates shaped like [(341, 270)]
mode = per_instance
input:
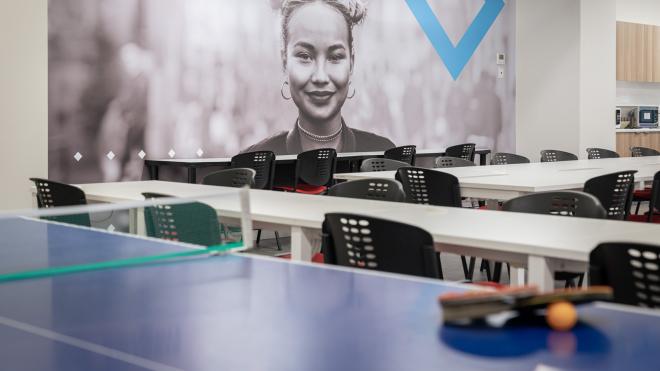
[(318, 60)]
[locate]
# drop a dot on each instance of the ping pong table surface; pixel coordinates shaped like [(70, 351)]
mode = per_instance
[(240, 312)]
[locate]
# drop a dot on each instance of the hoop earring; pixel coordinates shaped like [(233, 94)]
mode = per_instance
[(351, 95), (286, 83)]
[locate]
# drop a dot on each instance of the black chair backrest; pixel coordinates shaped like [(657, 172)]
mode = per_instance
[(235, 177), (429, 187), (195, 222), (643, 152), (263, 162), (614, 191), (404, 154), (632, 270), (553, 155), (564, 203), (377, 244), (55, 194), (502, 158), (464, 151), (381, 164), (598, 153), (446, 161), (371, 189), (316, 167), (654, 205)]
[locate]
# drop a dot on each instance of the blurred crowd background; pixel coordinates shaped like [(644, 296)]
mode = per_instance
[(203, 78)]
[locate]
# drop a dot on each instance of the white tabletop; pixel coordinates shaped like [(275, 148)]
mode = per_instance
[(291, 157), (503, 182), (507, 236)]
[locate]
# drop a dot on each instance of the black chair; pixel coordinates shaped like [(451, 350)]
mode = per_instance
[(235, 177), (377, 244), (381, 164), (445, 161), (502, 158), (598, 153), (643, 152), (315, 170), (553, 155), (464, 151), (562, 203), (262, 162), (404, 154), (631, 270), (195, 222), (54, 194), (370, 189), (614, 191), (642, 195), (653, 216), (431, 187)]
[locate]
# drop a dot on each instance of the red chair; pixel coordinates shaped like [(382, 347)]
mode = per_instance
[(315, 170), (653, 216)]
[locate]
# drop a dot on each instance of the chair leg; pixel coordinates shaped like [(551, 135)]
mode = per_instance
[(442, 276), (465, 267), (485, 265), (468, 268), (580, 279), (258, 235), (473, 261), (639, 203), (277, 240), (497, 272)]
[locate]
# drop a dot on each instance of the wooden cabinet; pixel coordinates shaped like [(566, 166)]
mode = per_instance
[(637, 52), (636, 139)]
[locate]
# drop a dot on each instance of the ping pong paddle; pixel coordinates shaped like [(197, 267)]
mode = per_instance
[(467, 306)]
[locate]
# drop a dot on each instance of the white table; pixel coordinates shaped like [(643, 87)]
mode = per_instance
[(541, 243), (503, 182), (191, 164)]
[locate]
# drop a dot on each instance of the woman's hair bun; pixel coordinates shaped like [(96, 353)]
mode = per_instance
[(357, 10), (354, 10)]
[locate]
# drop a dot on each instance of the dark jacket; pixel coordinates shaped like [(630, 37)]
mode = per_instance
[(352, 140)]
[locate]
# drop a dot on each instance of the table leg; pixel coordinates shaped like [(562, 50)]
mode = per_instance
[(517, 276), (153, 172), (492, 204), (482, 159), (541, 273), (136, 221), (302, 241), (192, 175)]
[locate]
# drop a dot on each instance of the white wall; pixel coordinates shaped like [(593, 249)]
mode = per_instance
[(597, 74), (23, 98), (547, 76), (565, 93), (638, 11)]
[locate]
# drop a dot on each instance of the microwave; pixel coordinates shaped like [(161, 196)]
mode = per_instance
[(648, 116)]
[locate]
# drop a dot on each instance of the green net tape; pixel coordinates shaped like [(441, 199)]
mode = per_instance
[(112, 264)]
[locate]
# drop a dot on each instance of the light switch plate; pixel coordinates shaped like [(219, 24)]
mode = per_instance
[(501, 58)]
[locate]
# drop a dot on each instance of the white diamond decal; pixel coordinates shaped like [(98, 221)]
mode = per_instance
[(199, 152), (77, 156), (171, 153), (110, 155), (111, 228), (142, 154)]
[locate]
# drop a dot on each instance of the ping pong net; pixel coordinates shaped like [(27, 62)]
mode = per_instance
[(52, 241)]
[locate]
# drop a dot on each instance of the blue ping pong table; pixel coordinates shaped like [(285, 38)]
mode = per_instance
[(236, 312)]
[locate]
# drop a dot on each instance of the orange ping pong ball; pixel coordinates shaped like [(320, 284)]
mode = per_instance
[(561, 316)]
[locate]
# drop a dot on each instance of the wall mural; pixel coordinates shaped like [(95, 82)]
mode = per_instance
[(135, 79)]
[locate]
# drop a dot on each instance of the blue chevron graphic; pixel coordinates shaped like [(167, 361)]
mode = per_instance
[(456, 57)]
